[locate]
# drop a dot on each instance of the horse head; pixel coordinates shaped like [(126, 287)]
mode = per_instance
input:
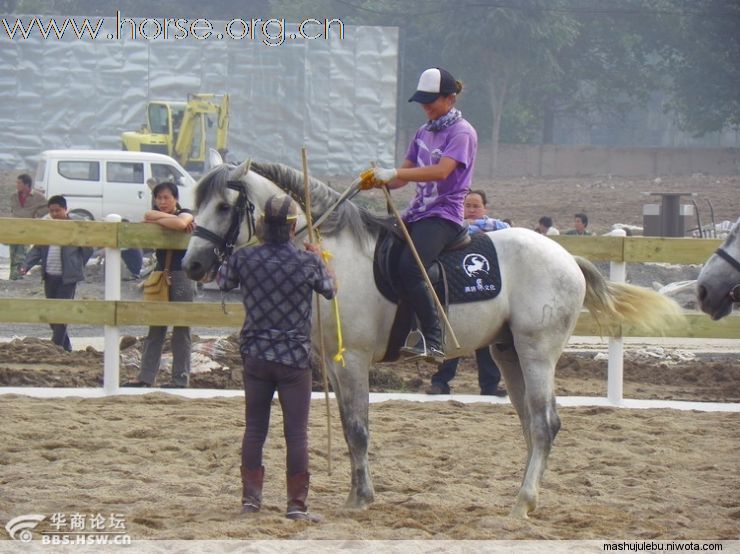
[(228, 202), (718, 285)]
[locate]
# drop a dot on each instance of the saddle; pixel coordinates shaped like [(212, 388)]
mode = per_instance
[(466, 271)]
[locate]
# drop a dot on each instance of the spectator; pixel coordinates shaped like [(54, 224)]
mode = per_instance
[(169, 215), (27, 203), (474, 211), (580, 222), (277, 282), (62, 268), (489, 375), (545, 226)]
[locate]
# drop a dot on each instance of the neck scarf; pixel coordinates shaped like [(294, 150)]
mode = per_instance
[(445, 121)]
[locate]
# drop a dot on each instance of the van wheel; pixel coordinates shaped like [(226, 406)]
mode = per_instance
[(81, 214)]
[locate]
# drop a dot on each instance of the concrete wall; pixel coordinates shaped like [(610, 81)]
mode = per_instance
[(573, 161)]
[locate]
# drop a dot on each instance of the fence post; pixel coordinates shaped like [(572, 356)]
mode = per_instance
[(615, 371), (112, 344)]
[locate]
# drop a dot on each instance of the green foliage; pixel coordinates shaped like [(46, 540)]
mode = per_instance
[(702, 56)]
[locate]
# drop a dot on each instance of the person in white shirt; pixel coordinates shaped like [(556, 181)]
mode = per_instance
[(545, 226), (62, 268)]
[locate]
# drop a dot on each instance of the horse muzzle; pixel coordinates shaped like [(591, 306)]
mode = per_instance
[(201, 267), (715, 305)]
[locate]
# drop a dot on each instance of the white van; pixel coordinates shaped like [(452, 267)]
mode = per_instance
[(101, 182)]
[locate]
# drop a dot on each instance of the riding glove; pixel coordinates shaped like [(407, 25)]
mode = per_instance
[(384, 176), (376, 178)]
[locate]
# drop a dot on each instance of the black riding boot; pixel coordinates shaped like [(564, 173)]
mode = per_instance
[(426, 311)]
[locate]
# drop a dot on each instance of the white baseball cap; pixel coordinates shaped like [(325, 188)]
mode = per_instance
[(433, 83)]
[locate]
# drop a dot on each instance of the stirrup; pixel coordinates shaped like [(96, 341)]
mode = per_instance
[(421, 350), (411, 353)]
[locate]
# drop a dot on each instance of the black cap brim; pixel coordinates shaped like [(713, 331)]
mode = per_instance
[(424, 97)]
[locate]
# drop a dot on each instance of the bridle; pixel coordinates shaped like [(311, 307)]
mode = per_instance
[(722, 253), (242, 210)]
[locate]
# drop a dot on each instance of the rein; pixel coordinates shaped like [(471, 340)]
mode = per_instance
[(243, 210), (726, 257)]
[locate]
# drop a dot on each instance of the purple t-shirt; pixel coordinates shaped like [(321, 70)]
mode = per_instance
[(443, 198)]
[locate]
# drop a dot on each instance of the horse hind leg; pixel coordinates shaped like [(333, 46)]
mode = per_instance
[(352, 393), (543, 426), (507, 361)]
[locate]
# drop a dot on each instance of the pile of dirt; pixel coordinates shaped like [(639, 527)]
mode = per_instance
[(216, 364)]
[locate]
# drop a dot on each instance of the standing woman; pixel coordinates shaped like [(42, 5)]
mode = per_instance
[(277, 282), (440, 161), (169, 215)]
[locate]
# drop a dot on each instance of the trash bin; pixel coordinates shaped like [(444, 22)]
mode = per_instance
[(651, 226)]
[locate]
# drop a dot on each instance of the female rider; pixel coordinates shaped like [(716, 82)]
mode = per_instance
[(440, 161)]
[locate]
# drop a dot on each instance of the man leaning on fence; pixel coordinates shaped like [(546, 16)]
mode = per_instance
[(62, 266), (28, 203)]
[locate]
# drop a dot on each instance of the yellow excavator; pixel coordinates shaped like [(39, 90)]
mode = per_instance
[(183, 130)]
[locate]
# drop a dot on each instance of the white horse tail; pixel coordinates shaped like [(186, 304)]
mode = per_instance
[(621, 303)]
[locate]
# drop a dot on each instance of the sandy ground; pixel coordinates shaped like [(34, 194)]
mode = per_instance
[(441, 471)]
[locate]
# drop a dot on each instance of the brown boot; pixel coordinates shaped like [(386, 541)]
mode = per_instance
[(297, 493), (252, 480)]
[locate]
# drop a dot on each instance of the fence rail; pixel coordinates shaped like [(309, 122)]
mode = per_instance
[(117, 313)]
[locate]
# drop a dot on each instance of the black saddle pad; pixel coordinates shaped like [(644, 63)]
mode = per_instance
[(472, 272)]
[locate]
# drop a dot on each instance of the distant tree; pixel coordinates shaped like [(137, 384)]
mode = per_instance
[(511, 49), (700, 48), (607, 70)]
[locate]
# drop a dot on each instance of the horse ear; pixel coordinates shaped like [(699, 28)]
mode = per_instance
[(239, 171), (214, 158)]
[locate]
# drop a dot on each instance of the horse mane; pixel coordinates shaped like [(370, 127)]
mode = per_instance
[(347, 215), (733, 234), (212, 183)]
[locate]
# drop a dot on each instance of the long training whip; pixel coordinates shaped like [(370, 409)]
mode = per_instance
[(322, 352)]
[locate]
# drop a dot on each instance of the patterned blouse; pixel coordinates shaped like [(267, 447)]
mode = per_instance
[(277, 282)]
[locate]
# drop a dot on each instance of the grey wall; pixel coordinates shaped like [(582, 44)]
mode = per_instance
[(573, 161)]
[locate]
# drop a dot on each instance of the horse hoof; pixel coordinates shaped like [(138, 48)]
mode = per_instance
[(358, 503), (520, 511)]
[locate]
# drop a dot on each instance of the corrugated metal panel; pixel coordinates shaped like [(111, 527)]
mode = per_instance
[(337, 97)]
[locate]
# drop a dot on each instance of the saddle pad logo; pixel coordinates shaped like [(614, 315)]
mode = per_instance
[(476, 265)]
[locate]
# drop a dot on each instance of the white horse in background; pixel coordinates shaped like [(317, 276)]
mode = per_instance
[(718, 285), (543, 289)]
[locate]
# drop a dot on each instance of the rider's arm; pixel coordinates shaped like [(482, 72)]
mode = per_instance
[(409, 172)]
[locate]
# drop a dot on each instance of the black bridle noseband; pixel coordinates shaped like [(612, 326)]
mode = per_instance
[(242, 210), (735, 292)]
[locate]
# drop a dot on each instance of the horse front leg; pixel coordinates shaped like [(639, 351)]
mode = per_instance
[(351, 388)]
